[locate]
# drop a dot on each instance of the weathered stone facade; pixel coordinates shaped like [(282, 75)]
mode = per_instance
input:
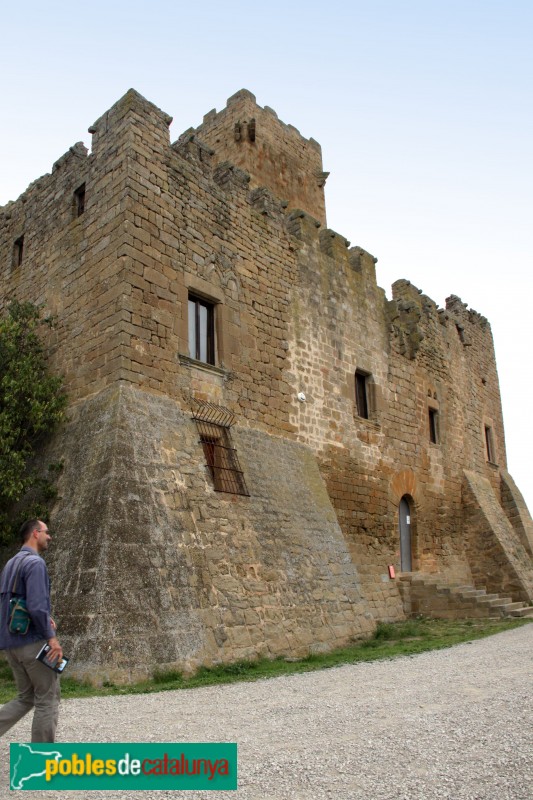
[(344, 403)]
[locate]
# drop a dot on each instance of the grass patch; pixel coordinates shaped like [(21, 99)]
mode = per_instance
[(390, 640)]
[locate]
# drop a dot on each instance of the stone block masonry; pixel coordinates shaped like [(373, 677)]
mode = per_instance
[(273, 153), (156, 568), (369, 430)]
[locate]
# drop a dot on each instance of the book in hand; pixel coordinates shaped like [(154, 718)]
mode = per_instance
[(55, 664)]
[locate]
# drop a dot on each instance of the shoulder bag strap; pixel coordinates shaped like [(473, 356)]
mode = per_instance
[(21, 559)]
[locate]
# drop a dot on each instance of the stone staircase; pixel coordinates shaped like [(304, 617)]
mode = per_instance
[(433, 596)]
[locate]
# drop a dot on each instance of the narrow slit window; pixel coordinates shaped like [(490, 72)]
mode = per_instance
[(489, 445), (433, 425), (361, 393), (201, 330), (18, 251), (79, 200)]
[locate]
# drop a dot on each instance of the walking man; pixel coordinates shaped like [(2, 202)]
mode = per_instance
[(37, 684)]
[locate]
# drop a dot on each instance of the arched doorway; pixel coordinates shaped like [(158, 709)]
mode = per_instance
[(406, 556)]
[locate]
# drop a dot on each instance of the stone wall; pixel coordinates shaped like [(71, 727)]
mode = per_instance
[(151, 566), (416, 357)]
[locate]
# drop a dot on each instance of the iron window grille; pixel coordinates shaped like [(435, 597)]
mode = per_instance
[(213, 423)]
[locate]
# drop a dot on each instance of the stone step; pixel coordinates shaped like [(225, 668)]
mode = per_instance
[(507, 608), (492, 600), (526, 611), (469, 592), (406, 576), (502, 606)]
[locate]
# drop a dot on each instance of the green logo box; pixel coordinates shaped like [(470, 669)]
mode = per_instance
[(114, 766)]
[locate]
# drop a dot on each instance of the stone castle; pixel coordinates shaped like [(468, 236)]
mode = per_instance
[(259, 444)]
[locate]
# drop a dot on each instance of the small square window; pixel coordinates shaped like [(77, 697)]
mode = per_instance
[(18, 251), (201, 330), (361, 393), (433, 425), (79, 201)]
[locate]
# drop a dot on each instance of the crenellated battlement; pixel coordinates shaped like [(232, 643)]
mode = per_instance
[(460, 310), (132, 108), (274, 154)]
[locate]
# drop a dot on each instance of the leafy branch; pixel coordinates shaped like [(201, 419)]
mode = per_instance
[(32, 404)]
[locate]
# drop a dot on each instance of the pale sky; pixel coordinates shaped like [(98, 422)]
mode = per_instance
[(423, 110)]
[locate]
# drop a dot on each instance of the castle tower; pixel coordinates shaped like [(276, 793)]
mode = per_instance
[(274, 154)]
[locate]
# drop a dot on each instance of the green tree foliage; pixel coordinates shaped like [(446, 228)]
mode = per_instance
[(31, 406)]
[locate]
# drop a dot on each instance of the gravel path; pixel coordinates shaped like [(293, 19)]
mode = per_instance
[(454, 723)]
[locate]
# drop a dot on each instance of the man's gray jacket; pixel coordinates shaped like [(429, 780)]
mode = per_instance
[(33, 584)]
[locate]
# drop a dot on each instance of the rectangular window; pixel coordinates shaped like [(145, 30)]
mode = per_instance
[(18, 251), (221, 458), (489, 444), (201, 330), (213, 423), (433, 425), (79, 200), (361, 393)]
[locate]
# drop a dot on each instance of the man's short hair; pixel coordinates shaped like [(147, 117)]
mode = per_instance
[(27, 529)]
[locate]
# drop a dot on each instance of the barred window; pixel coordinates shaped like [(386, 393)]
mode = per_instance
[(213, 423)]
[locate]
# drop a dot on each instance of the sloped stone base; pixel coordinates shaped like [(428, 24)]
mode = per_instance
[(152, 568), (497, 556)]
